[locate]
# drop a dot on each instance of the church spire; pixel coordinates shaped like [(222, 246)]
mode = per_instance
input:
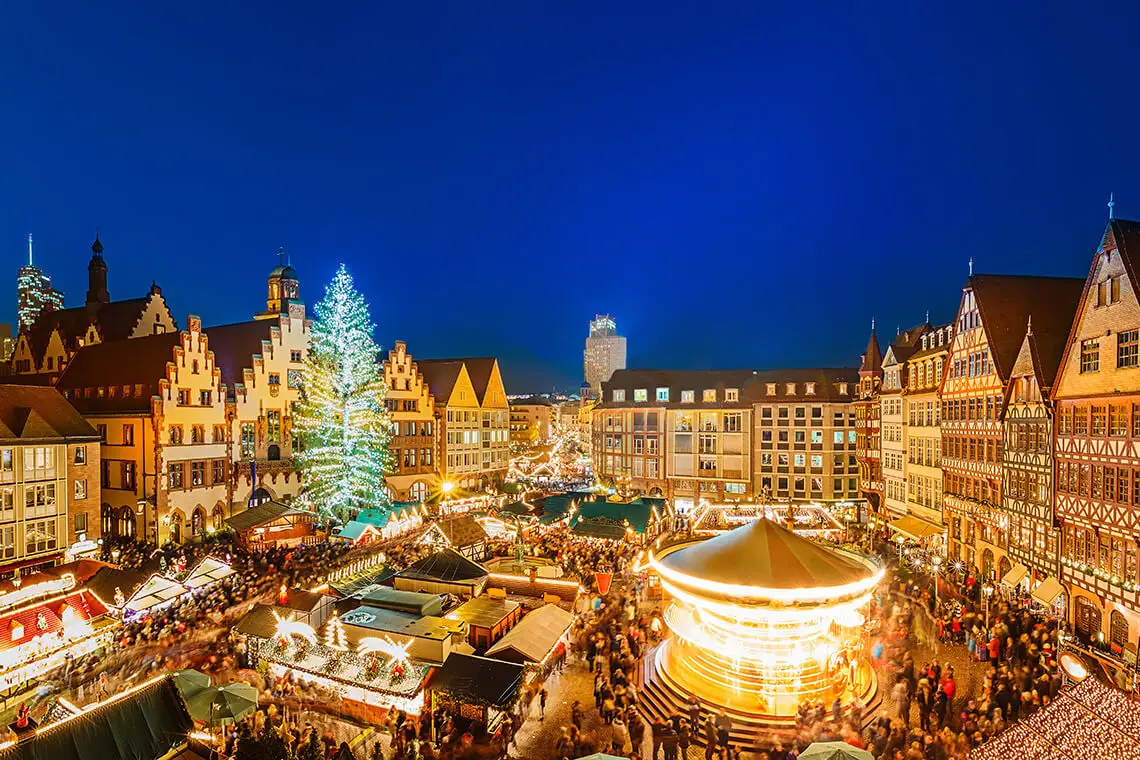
[(97, 294)]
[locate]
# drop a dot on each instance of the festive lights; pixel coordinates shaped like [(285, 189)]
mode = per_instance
[(397, 653), (342, 417), (287, 628)]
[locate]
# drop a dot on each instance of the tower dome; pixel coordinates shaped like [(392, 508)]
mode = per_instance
[(283, 288)]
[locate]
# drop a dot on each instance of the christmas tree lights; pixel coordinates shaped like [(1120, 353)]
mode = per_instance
[(335, 637), (341, 417)]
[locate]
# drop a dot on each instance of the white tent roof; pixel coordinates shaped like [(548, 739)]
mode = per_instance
[(1015, 575), (157, 590), (1048, 591), (207, 572), (536, 634)]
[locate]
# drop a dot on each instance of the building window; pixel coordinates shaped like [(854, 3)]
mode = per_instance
[(274, 378), (248, 440), (640, 394), (39, 536), (1128, 348), (687, 397), (809, 389), (205, 398), (273, 425), (770, 389), (662, 394), (175, 435), (708, 396), (219, 434), (39, 463), (197, 434), (80, 455), (295, 357), (197, 474), (1090, 355), (618, 394), (39, 500), (176, 475), (735, 488), (128, 476), (790, 389), (218, 471), (732, 422), (102, 431), (184, 396), (81, 522), (81, 489), (731, 395)]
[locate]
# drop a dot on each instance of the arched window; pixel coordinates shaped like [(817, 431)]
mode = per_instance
[(107, 515), (126, 523), (176, 525), (418, 491), (274, 452), (259, 497), (218, 517), (1118, 629), (198, 522)]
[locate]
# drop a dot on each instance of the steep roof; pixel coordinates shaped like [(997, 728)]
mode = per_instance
[(445, 565), (115, 321), (35, 413), (907, 342), (1126, 236), (480, 369), (235, 345), (872, 356), (1008, 302), (440, 375), (478, 680), (141, 361), (766, 555), (536, 635), (462, 530)]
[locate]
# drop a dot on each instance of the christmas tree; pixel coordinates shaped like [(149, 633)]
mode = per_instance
[(341, 416), (335, 637)]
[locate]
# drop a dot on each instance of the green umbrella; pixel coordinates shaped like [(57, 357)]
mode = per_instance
[(834, 751), (222, 705), (190, 682)]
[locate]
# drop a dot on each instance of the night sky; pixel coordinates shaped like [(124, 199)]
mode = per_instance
[(740, 184)]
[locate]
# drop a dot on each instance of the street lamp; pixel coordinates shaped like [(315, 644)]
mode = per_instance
[(935, 563), (901, 540), (988, 590)]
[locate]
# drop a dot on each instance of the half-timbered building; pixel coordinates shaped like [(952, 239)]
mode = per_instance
[(892, 418), (1027, 459), (992, 316), (867, 425), (1097, 399)]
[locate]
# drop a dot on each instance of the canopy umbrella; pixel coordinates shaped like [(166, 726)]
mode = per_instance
[(190, 682), (834, 751), (223, 705)]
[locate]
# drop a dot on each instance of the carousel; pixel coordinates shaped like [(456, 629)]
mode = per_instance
[(761, 620)]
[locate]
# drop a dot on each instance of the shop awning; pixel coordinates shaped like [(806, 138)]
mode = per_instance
[(1015, 575), (912, 527), (1047, 592)]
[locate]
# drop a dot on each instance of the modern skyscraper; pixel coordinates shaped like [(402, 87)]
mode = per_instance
[(605, 351), (35, 294)]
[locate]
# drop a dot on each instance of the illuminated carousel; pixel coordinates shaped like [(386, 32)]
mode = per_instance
[(761, 620)]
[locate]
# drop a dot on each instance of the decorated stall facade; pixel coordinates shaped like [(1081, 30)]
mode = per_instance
[(382, 524)]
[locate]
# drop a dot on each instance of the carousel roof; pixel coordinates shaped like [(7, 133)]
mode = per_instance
[(766, 555)]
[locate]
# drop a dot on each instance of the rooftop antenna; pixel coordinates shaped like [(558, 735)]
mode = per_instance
[(971, 266), (1111, 206), (872, 324), (928, 316), (1029, 326), (29, 249)]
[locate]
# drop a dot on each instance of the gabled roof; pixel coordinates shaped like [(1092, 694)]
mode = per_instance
[(536, 635), (34, 413), (440, 375), (463, 530), (263, 514), (906, 343), (478, 680), (445, 565), (115, 321), (872, 356), (480, 369), (1006, 304), (235, 345), (141, 361)]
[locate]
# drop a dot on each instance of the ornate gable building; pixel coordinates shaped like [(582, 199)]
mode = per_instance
[(924, 371), (48, 345), (1097, 408), (411, 407), (992, 316)]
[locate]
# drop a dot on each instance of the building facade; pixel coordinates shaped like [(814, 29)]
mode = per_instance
[(532, 421), (868, 432), (472, 419), (605, 352), (723, 436), (1096, 400), (893, 418), (411, 408), (47, 345), (34, 293), (49, 488), (923, 466)]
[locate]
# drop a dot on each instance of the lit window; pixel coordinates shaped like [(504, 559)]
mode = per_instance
[(640, 394), (662, 394), (1128, 348), (790, 389), (809, 389), (771, 389), (618, 394), (843, 389), (731, 395), (708, 395), (687, 397), (1090, 355)]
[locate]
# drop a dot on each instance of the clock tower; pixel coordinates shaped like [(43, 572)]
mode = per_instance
[(283, 291)]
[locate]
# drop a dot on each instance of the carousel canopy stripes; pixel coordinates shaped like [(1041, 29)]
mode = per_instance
[(765, 555)]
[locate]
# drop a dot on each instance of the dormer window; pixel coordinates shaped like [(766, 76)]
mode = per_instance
[(708, 396), (771, 389), (843, 389), (687, 397), (662, 394), (790, 389), (640, 394), (618, 394), (732, 395), (809, 389)]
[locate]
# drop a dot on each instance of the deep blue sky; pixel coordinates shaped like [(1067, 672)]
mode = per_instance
[(740, 184)]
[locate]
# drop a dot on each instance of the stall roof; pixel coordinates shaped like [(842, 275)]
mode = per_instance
[(258, 622), (536, 634), (478, 680), (209, 570), (914, 528), (404, 601), (365, 580), (463, 530), (391, 621), (155, 590), (446, 565), (107, 579), (142, 724), (483, 611), (522, 585), (46, 618), (1047, 593), (1087, 720), (264, 514)]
